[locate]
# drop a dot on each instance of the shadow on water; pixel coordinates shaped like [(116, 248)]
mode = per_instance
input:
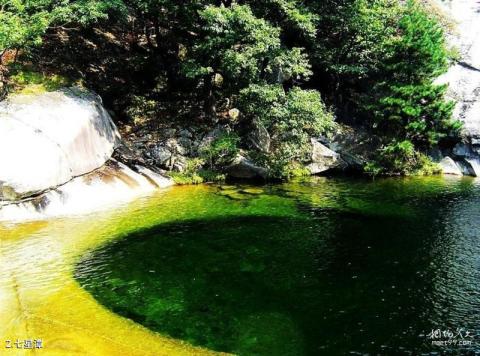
[(327, 281)]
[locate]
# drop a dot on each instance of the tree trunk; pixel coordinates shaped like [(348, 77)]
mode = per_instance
[(3, 79), (210, 102)]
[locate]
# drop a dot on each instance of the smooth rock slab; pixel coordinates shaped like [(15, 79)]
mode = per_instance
[(449, 166), (48, 139), (110, 186)]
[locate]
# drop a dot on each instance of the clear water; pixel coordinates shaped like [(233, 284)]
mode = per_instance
[(323, 266)]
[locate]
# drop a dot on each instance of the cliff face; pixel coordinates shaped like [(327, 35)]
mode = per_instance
[(463, 79)]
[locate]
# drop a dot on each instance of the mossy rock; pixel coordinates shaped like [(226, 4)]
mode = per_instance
[(253, 191), (234, 195)]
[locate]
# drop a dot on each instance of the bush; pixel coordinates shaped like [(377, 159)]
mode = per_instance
[(195, 174), (401, 158), (290, 119), (142, 110), (222, 150)]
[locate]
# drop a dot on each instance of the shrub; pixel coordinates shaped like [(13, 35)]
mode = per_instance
[(290, 119), (401, 158), (222, 150), (195, 174), (27, 81), (141, 109)]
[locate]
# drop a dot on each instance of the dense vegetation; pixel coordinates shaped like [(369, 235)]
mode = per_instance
[(282, 67)]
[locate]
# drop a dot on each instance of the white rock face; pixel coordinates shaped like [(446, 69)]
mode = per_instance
[(48, 139), (464, 77), (449, 166), (55, 158), (105, 188)]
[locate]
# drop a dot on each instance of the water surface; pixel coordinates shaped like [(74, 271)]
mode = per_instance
[(322, 266)]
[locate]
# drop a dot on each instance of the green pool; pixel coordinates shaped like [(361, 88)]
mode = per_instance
[(316, 267)]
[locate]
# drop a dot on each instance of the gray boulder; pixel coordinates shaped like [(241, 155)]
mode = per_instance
[(260, 138), (463, 78), (324, 159), (243, 168), (170, 155), (461, 150)]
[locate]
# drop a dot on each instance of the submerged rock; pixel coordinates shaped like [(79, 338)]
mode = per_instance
[(48, 139)]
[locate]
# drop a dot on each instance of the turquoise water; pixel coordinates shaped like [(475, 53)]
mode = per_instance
[(322, 266)]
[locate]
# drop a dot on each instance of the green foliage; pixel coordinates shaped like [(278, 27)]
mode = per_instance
[(280, 168), (195, 174), (26, 81), (382, 59), (222, 150), (19, 27), (243, 49), (401, 158), (374, 61), (23, 23), (290, 15), (418, 113), (141, 109), (352, 42), (290, 118)]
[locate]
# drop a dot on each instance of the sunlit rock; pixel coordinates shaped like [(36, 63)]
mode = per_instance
[(463, 78), (449, 166), (109, 186), (50, 138), (324, 159), (56, 158)]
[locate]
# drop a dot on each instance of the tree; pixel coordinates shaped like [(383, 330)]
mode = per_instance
[(291, 118), (350, 46), (23, 23), (240, 49), (405, 103)]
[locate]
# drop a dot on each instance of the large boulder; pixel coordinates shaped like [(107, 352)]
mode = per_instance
[(48, 139), (171, 154), (107, 187), (243, 168), (259, 137), (449, 166), (324, 159), (463, 77)]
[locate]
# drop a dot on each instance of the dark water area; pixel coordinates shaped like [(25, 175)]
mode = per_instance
[(316, 267)]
